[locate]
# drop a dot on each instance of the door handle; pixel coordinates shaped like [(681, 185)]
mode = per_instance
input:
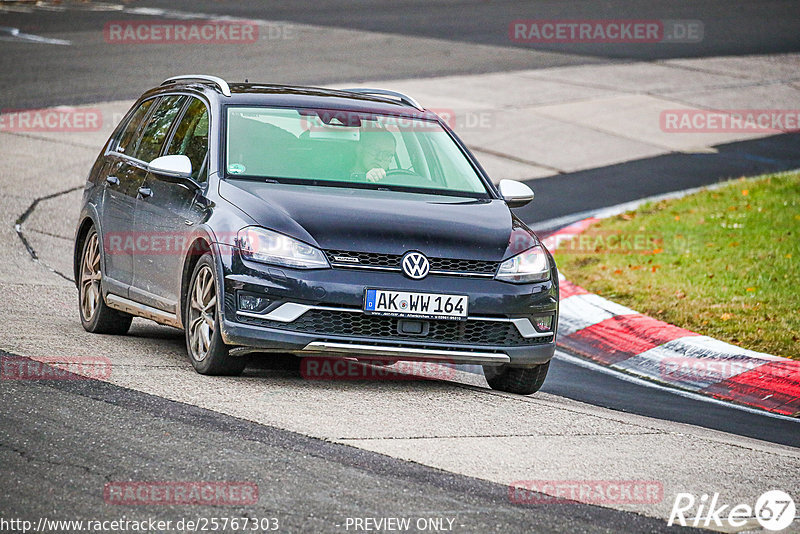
[(145, 192), (112, 180)]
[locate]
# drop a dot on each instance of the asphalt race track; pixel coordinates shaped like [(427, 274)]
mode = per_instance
[(323, 453)]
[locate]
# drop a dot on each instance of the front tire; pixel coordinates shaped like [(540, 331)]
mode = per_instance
[(520, 380), (96, 316), (207, 352)]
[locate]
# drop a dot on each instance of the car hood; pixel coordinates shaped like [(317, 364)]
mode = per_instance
[(386, 222)]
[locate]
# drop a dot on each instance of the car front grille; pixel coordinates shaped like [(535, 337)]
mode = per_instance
[(367, 260), (354, 324)]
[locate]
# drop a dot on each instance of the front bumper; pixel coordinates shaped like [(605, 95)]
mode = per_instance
[(319, 312)]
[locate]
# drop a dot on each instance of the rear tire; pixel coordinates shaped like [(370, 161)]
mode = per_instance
[(520, 380), (207, 352), (96, 316)]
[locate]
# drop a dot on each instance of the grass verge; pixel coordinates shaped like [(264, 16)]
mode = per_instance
[(721, 262)]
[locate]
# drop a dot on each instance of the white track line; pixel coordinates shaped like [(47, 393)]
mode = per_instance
[(15, 35)]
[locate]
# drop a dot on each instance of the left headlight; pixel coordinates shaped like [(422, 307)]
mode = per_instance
[(529, 266), (266, 246)]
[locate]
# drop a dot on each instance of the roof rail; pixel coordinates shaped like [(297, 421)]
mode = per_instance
[(405, 99), (219, 82)]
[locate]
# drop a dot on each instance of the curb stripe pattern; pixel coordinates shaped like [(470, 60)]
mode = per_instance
[(621, 338)]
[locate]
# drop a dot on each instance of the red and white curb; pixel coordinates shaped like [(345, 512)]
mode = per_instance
[(618, 337)]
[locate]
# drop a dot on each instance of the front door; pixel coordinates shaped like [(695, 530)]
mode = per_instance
[(170, 212)]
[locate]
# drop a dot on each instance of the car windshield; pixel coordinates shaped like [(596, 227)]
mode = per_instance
[(347, 149)]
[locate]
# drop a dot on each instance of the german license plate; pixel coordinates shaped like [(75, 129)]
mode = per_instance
[(416, 305)]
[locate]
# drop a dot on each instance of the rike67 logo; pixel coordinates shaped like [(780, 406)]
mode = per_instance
[(774, 510)]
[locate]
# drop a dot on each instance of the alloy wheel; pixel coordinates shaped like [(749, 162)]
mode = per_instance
[(90, 278), (202, 313)]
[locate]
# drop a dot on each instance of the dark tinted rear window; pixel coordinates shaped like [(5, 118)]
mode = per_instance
[(129, 133), (158, 126)]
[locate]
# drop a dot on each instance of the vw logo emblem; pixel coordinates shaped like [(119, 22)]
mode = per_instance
[(415, 265)]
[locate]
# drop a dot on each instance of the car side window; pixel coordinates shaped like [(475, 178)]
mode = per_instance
[(191, 138), (129, 133), (157, 128)]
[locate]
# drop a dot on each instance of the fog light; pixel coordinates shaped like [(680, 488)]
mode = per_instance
[(543, 323), (253, 303)]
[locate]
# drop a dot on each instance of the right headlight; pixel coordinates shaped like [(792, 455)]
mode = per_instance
[(526, 267), (266, 246)]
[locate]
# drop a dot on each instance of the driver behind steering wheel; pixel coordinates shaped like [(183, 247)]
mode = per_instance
[(374, 154)]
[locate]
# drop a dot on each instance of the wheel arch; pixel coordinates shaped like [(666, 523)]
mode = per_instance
[(199, 246), (86, 224)]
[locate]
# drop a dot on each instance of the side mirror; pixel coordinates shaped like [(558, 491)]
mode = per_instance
[(176, 168), (516, 194)]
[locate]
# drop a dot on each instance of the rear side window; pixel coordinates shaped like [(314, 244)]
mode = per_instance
[(157, 128), (129, 133), (191, 138)]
